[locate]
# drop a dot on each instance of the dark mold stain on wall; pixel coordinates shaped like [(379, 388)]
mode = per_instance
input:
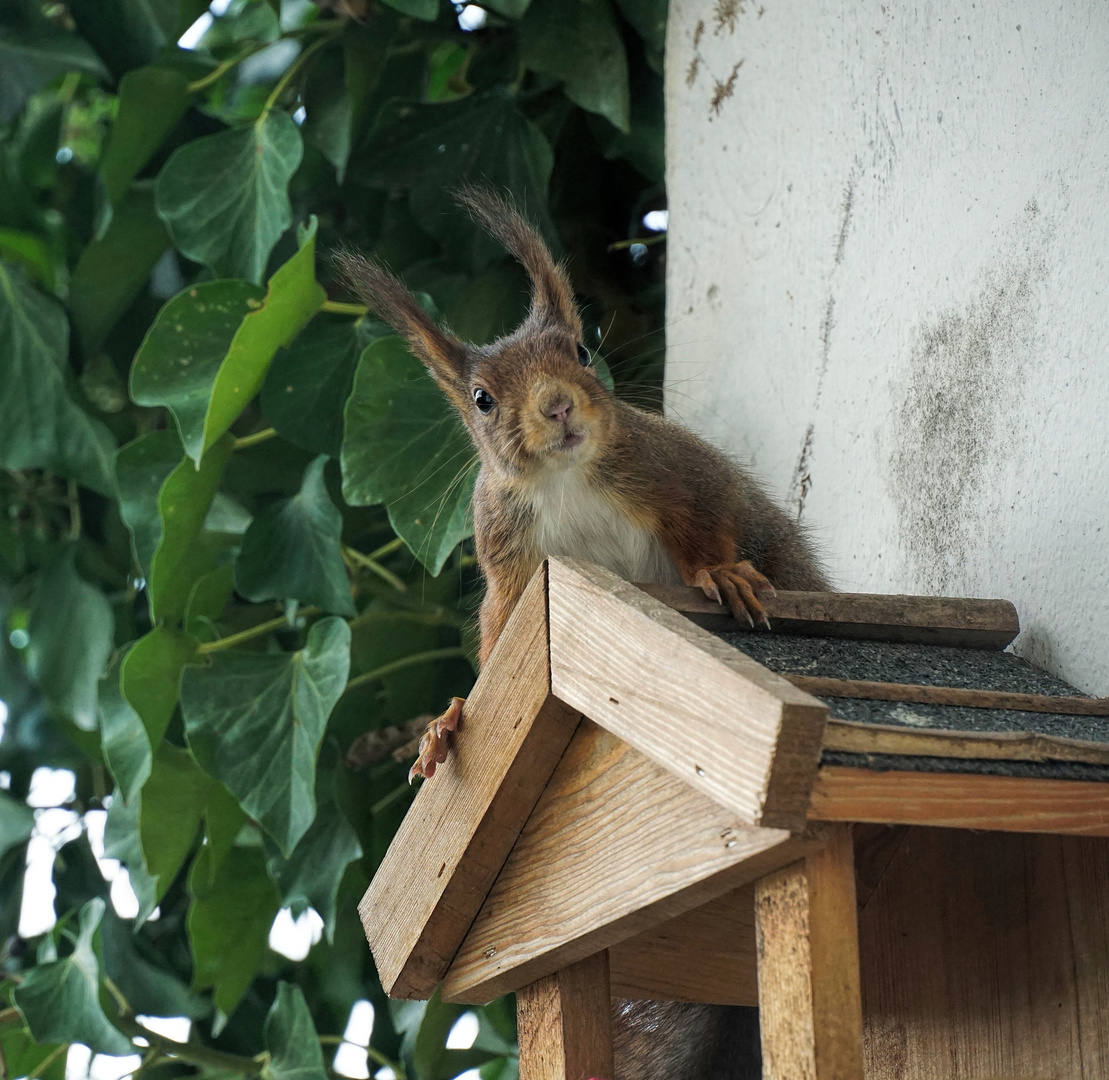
[(952, 431)]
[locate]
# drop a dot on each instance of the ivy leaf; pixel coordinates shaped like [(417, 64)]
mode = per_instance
[(151, 101), (165, 528), (579, 43), (510, 9), (16, 822), (649, 19), (314, 871), (224, 198), (292, 550), (151, 989), (208, 351), (123, 738), (154, 833), (229, 923), (125, 33), (404, 446), (70, 630), (417, 9), (291, 1039), (309, 381), (137, 699), (60, 1000), (255, 721), (180, 357), (223, 820), (123, 841), (113, 269), (40, 425), (31, 56), (434, 149)]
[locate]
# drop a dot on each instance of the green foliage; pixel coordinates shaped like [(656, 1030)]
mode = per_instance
[(234, 510), (59, 1000)]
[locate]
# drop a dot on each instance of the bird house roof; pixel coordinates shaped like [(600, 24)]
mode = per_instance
[(620, 768)]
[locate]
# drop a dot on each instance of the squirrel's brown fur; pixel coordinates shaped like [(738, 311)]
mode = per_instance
[(567, 469)]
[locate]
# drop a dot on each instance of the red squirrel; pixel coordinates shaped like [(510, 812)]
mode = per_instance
[(569, 469)]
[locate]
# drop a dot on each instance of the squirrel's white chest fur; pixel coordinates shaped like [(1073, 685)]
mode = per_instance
[(573, 519)]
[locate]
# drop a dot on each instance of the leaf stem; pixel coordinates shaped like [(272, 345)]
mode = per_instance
[(252, 632), (218, 73), (337, 308), (355, 556), (379, 1058), (293, 68), (646, 241), (255, 438), (47, 1061), (122, 1003), (191, 1052), (386, 549), (403, 662)]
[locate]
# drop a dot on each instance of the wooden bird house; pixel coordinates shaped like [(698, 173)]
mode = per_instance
[(871, 822)]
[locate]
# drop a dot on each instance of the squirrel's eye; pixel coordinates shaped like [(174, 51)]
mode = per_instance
[(583, 355), (483, 399)]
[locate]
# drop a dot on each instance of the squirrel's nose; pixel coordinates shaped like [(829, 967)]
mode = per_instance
[(560, 410)]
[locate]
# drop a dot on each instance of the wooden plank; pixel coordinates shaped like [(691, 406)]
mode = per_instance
[(464, 821), (987, 955), (929, 620), (707, 954), (810, 1007), (868, 690), (564, 1023), (859, 738), (961, 800), (718, 720), (615, 845)]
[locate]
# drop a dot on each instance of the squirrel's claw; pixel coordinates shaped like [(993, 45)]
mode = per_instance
[(739, 583), (435, 741)]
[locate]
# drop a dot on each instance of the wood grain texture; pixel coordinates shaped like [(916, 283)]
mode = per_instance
[(707, 954), (464, 821), (810, 1008), (987, 955), (961, 800), (564, 1023), (928, 620), (990, 745), (615, 846), (715, 718), (950, 695)]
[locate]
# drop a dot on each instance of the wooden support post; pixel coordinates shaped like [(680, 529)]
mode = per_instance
[(810, 1010), (564, 1023)]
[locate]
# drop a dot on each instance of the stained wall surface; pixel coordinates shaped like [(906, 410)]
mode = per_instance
[(889, 289)]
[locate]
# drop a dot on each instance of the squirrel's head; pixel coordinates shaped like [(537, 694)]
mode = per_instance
[(531, 400)]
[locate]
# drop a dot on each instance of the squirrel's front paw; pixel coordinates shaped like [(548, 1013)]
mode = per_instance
[(736, 584), (435, 742)]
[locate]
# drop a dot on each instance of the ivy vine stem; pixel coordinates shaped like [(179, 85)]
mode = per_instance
[(352, 555), (255, 438), (336, 307), (46, 1062), (252, 632), (194, 1053), (404, 662), (294, 67)]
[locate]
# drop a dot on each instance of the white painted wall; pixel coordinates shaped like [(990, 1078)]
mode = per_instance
[(889, 289)]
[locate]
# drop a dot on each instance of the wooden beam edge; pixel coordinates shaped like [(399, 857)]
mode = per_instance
[(859, 738), (794, 753), (414, 933), (961, 800), (973, 623)]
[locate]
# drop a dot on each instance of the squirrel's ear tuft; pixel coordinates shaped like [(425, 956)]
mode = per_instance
[(552, 299), (442, 353)]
